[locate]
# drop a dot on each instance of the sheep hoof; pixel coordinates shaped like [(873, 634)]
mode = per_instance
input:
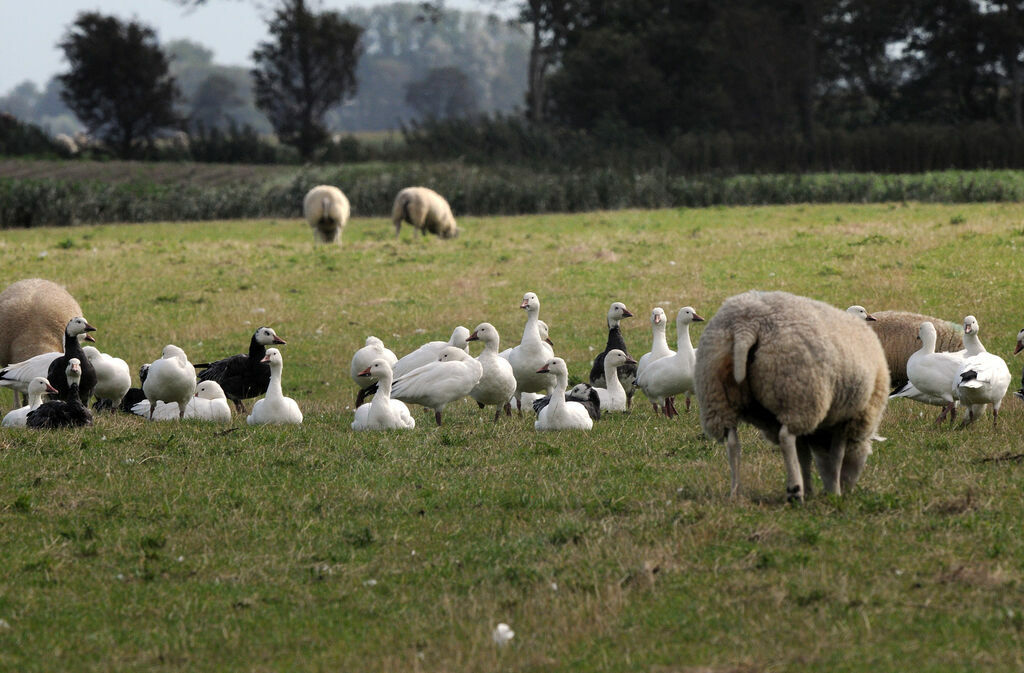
[(794, 494)]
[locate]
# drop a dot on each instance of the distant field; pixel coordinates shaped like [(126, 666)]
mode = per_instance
[(165, 172), (164, 547)]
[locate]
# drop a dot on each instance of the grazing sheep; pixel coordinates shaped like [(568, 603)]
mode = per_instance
[(897, 330), (425, 210), (326, 209), (33, 315), (811, 377)]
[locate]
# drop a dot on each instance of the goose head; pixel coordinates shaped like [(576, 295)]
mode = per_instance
[(92, 354), (859, 311), (210, 390), (658, 317), (616, 312), (687, 315), (273, 357), (40, 386), (485, 332), (266, 336), (143, 373), (971, 325), (453, 354), (555, 366), (172, 351), (378, 369), (78, 326), (580, 392), (375, 343), (926, 334), (616, 358), (542, 329), (530, 302), (73, 371), (459, 337), (1020, 342)]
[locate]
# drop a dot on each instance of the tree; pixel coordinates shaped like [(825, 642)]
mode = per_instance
[(444, 92), (308, 66), (118, 84), (215, 95)]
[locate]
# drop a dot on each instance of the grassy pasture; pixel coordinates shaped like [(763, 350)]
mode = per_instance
[(166, 547)]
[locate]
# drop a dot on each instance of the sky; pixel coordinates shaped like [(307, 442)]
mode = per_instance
[(29, 31)]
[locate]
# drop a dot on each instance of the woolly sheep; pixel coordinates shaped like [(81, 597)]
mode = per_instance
[(425, 210), (897, 330), (811, 377), (326, 209), (33, 315)]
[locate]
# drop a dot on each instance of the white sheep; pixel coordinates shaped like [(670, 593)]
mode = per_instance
[(33, 315), (811, 377), (897, 330), (425, 210), (67, 143), (326, 209)]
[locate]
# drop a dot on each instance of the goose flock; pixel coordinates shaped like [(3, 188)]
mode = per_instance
[(439, 373)]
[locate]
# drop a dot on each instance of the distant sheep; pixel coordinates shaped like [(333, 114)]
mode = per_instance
[(897, 330), (67, 143), (425, 210), (811, 377), (326, 209)]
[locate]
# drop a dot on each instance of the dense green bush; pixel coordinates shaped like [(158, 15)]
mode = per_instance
[(478, 191), (18, 138)]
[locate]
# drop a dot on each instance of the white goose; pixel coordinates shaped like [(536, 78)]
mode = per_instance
[(859, 311), (430, 352), (982, 379), (382, 413), (37, 387), (113, 377), (208, 404), (613, 397), (274, 408), (542, 327), (451, 377), (559, 414), (363, 358), (172, 378), (531, 354), (931, 374), (667, 377), (659, 345), (497, 382)]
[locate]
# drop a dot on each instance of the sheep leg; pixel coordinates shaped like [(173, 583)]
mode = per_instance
[(497, 413), (508, 409), (687, 402), (804, 453), (794, 482), (830, 462), (657, 412), (732, 443), (519, 404), (437, 417), (181, 409), (853, 464)]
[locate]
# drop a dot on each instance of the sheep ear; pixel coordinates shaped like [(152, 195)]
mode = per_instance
[(742, 342)]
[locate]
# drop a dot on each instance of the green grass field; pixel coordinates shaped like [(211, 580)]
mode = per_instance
[(164, 547)]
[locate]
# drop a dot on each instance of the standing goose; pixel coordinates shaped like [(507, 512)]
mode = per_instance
[(542, 328), (451, 377), (244, 376), (659, 345), (38, 387), (363, 358), (559, 414), (113, 378), (208, 404), (275, 408), (172, 378), (663, 379), (531, 354), (982, 379), (627, 372), (382, 413), (931, 374), (59, 413), (18, 375), (497, 382), (614, 397)]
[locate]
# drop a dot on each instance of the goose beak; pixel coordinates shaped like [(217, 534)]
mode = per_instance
[(871, 318), (697, 318), (89, 328), (365, 372), (1019, 348), (279, 340), (626, 313), (658, 319), (473, 337), (88, 337), (266, 358), (544, 370), (525, 304), (630, 361), (50, 389), (550, 342)]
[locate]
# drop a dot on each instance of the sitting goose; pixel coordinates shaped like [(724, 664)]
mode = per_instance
[(113, 378), (362, 359), (859, 311), (451, 377), (931, 374), (244, 376), (382, 413), (208, 404), (18, 375), (584, 393), (172, 378), (665, 378), (531, 354), (134, 395), (627, 372), (425, 354), (497, 382), (38, 387), (59, 413), (559, 414), (275, 408), (614, 397)]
